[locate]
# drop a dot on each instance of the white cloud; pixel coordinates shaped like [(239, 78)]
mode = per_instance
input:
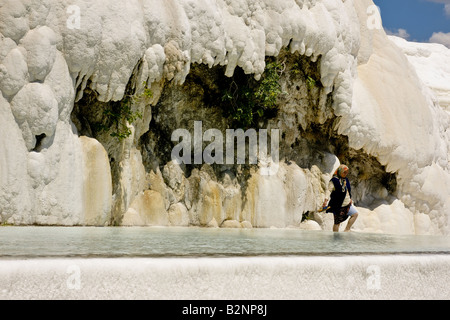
[(402, 33), (442, 38), (446, 7)]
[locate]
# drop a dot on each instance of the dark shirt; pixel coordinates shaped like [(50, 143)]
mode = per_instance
[(338, 195)]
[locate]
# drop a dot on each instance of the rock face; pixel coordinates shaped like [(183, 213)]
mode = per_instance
[(92, 93)]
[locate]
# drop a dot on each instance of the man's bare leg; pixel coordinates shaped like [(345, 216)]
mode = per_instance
[(336, 227), (351, 221)]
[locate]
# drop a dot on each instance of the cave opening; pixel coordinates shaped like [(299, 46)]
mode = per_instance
[(201, 98), (209, 96)]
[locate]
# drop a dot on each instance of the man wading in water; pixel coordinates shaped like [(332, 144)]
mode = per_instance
[(341, 203)]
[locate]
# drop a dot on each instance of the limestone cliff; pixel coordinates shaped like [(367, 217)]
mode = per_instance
[(92, 92)]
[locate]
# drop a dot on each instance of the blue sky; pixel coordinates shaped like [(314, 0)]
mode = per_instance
[(417, 20)]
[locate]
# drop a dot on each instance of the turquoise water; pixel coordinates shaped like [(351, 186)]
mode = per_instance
[(32, 242)]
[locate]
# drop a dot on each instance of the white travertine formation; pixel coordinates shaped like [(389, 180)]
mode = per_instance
[(231, 278), (430, 60), (51, 50)]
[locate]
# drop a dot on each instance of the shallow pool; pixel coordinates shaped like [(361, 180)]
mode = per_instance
[(211, 242), (220, 264)]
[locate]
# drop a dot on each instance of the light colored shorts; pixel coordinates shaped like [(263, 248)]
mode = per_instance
[(352, 210)]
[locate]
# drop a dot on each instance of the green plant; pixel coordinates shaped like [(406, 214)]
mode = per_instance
[(269, 88), (296, 68), (251, 100), (306, 216), (120, 114), (147, 92), (299, 68), (310, 82), (242, 104), (118, 117)]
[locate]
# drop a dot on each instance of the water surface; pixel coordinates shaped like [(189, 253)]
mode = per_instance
[(33, 242)]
